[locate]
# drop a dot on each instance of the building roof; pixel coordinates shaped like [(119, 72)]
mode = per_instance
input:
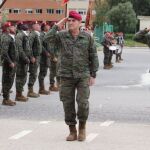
[(33, 4)]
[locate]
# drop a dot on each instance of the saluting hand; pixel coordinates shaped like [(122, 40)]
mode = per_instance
[(62, 22)]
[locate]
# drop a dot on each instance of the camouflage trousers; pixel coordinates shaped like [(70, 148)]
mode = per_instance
[(107, 57), (21, 76), (74, 90), (8, 75), (33, 72), (52, 75), (42, 73)]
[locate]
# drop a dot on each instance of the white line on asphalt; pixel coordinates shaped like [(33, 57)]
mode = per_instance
[(107, 123), (44, 122), (91, 137), (118, 86), (20, 134)]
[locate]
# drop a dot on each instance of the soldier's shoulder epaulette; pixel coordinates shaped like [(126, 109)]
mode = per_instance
[(86, 33)]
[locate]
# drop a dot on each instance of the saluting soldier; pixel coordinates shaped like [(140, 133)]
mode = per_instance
[(36, 48), (9, 61), (77, 67)]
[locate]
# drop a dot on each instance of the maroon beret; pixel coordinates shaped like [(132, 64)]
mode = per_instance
[(75, 15)]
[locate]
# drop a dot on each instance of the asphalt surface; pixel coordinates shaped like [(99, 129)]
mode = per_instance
[(119, 112)]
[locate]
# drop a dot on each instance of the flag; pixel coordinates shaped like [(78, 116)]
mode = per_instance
[(88, 15), (64, 2)]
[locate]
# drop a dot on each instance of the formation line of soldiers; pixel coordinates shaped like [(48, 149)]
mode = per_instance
[(24, 51)]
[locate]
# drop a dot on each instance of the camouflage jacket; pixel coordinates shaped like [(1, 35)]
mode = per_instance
[(143, 36), (22, 41), (35, 44), (45, 45), (106, 43), (45, 60), (9, 49), (76, 57)]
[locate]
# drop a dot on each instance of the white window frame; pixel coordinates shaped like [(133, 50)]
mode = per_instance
[(29, 11)]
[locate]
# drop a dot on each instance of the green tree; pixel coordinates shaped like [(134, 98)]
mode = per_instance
[(116, 2), (123, 17), (141, 7), (101, 7)]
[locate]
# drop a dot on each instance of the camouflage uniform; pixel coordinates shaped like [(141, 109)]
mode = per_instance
[(22, 41), (9, 55), (53, 68), (77, 61), (36, 48), (143, 37), (45, 60), (107, 53)]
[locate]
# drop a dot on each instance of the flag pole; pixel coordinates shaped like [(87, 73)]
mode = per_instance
[(66, 12)]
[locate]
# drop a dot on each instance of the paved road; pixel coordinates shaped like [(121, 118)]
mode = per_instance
[(119, 113)]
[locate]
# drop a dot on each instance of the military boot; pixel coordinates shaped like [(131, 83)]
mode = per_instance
[(20, 97), (106, 67), (32, 94), (8, 102), (117, 61), (73, 133), (53, 88), (42, 89), (82, 132), (111, 66)]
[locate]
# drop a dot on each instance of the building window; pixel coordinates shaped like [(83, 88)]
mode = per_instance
[(38, 11), (59, 11), (10, 11), (50, 11), (15, 11), (82, 12), (29, 11)]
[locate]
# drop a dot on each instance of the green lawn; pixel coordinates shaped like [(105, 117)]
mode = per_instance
[(131, 43)]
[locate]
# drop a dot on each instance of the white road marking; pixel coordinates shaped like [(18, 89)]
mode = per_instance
[(20, 134), (91, 137), (107, 123), (44, 122), (118, 86)]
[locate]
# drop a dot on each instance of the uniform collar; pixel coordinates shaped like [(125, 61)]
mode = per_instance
[(37, 32), (26, 33), (12, 36)]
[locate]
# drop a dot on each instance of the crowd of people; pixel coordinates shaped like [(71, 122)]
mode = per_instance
[(24, 50), (113, 44)]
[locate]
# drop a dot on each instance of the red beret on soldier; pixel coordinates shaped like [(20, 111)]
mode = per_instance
[(75, 15), (6, 25)]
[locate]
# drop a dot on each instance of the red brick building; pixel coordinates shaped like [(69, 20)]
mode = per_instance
[(29, 10)]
